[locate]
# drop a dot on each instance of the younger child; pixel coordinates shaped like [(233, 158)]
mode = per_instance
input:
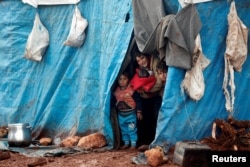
[(127, 114), (162, 70)]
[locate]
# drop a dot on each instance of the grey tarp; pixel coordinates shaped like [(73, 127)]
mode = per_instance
[(147, 15), (172, 36)]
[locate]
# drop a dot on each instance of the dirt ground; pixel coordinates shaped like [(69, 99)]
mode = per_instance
[(116, 158)]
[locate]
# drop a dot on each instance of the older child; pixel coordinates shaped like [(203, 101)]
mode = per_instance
[(127, 114), (150, 100)]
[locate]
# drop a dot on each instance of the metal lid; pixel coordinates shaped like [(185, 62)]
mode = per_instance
[(18, 124)]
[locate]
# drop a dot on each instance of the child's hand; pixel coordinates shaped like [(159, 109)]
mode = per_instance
[(140, 90), (139, 115)]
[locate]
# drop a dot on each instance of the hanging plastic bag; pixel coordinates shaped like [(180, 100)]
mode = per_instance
[(193, 82), (37, 42), (77, 35)]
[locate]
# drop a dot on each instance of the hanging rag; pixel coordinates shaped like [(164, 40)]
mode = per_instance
[(181, 34), (193, 82), (235, 54), (147, 15)]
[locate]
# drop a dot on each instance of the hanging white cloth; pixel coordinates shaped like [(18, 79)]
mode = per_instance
[(235, 54)]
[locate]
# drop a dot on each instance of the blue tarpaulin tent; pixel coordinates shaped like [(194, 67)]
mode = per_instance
[(180, 117), (69, 91)]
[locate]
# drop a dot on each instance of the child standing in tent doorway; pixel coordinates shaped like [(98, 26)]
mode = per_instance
[(127, 113), (162, 71), (150, 101)]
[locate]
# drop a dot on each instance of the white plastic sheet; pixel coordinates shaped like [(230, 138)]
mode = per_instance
[(183, 3), (35, 3)]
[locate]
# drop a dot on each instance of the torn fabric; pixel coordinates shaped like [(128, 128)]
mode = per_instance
[(171, 35), (147, 15), (181, 34), (235, 54)]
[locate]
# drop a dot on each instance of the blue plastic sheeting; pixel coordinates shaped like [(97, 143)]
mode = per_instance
[(181, 118), (68, 92)]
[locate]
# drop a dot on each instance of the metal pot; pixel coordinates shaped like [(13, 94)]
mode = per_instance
[(19, 135)]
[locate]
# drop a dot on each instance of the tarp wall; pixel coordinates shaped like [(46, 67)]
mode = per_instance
[(68, 92), (181, 118)]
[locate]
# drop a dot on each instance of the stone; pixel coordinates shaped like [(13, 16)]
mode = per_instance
[(154, 156), (45, 141), (38, 162), (4, 155), (3, 132), (95, 140), (70, 141)]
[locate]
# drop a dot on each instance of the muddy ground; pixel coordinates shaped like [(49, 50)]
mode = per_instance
[(116, 158)]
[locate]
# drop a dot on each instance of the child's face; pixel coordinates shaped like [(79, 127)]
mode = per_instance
[(162, 75), (142, 61), (123, 81)]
